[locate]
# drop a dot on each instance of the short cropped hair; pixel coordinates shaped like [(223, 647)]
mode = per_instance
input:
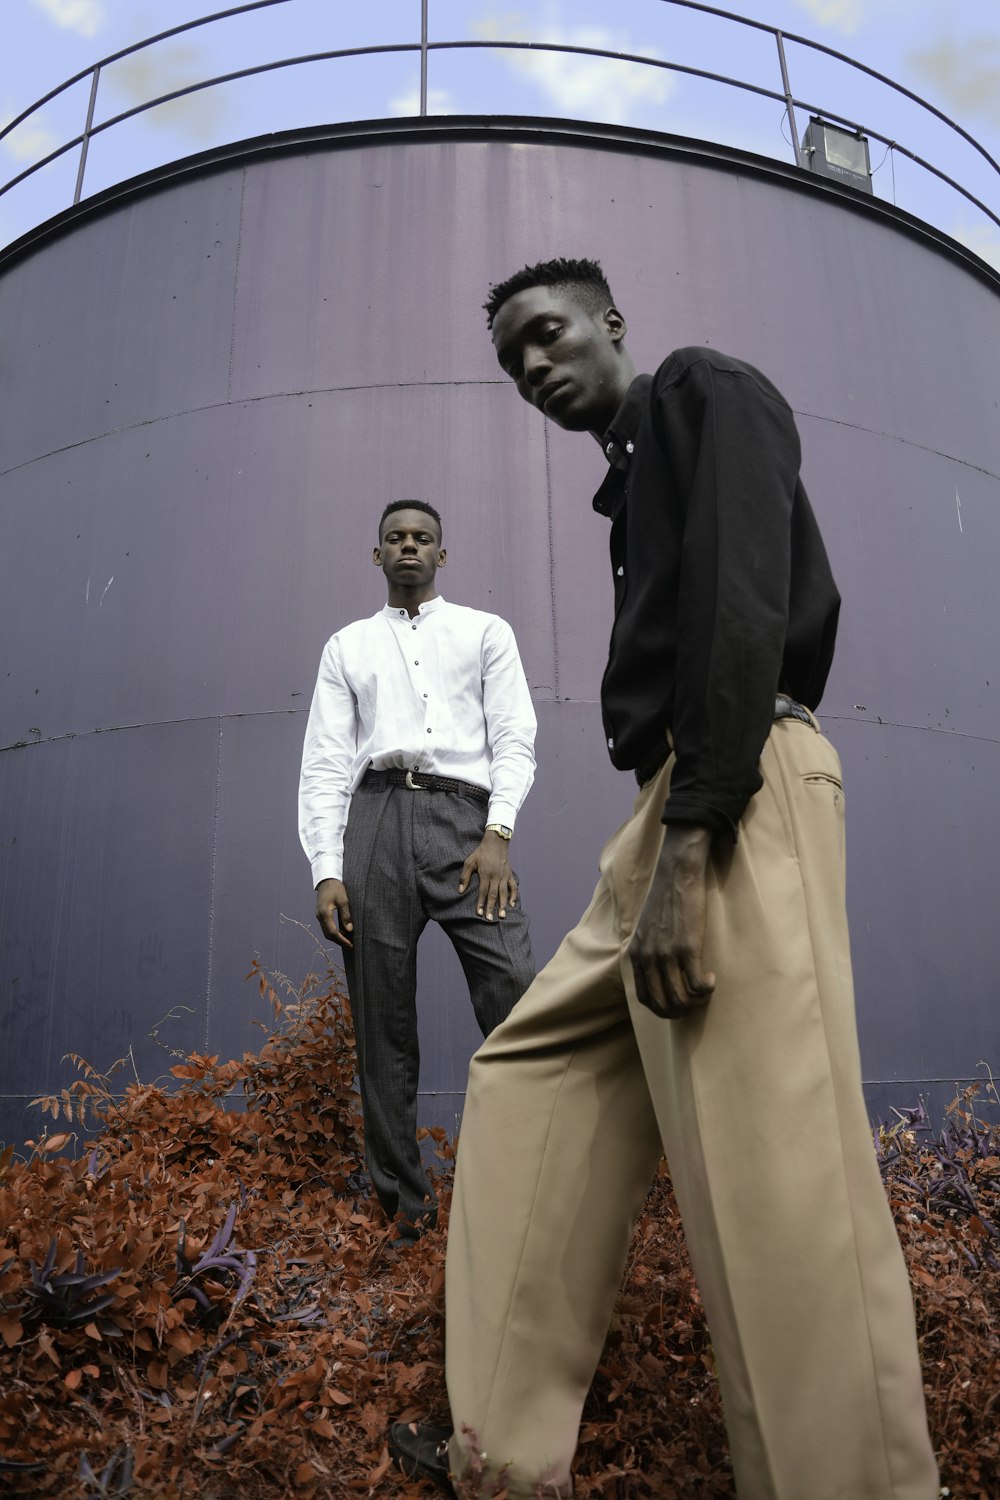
[(584, 276), (395, 505)]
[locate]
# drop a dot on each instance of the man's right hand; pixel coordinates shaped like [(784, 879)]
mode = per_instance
[(333, 912)]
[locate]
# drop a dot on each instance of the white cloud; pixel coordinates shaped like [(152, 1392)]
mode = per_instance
[(966, 74), (983, 239), (590, 86), (160, 70), (30, 141), (839, 15), (86, 17), (439, 102)]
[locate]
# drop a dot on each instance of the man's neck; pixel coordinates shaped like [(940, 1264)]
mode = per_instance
[(625, 375), (410, 599)]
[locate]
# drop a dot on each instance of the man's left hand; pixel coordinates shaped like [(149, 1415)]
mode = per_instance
[(497, 885), (666, 947)]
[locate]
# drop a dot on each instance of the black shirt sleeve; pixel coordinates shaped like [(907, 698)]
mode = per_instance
[(731, 444)]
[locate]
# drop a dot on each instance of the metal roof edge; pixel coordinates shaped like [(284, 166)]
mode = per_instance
[(520, 128)]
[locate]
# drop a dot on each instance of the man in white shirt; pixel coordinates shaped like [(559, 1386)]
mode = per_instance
[(418, 755)]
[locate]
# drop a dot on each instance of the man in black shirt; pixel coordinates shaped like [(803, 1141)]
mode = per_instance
[(703, 1006)]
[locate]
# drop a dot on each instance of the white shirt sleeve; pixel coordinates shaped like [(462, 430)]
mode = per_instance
[(327, 766), (510, 724)]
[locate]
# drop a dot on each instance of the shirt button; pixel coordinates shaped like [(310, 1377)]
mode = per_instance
[(630, 446), (428, 731), (402, 612), (425, 695), (413, 627), (621, 572), (416, 664)]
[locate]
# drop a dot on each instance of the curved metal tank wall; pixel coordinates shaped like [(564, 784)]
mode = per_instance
[(210, 388)]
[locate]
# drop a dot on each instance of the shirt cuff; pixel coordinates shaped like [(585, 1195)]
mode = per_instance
[(501, 812), (327, 867), (702, 814)]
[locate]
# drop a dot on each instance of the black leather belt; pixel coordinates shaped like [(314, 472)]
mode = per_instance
[(784, 708), (420, 781)]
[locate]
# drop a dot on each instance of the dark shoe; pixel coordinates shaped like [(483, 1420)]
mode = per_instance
[(421, 1452)]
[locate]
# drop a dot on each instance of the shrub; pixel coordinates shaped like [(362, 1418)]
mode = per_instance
[(205, 1301)]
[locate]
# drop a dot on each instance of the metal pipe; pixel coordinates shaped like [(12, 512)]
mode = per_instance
[(423, 57), (789, 101), (85, 143)]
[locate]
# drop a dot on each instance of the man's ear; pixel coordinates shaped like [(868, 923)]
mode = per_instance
[(377, 556), (615, 324), (442, 557)]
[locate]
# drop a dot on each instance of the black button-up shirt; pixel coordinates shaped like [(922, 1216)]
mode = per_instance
[(723, 591)]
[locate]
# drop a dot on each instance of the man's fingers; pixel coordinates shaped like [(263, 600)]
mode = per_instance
[(331, 931), (669, 986), (508, 894), (697, 983), (466, 875), (489, 898)]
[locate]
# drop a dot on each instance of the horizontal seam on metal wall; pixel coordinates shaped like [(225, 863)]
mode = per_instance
[(334, 390), (958, 734), (949, 1079), (190, 411), (266, 713), (892, 437), (83, 734)]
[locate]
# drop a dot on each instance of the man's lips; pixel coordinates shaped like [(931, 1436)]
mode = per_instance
[(547, 392)]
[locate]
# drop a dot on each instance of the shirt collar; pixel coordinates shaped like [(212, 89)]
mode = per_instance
[(619, 439), (618, 442), (431, 605)]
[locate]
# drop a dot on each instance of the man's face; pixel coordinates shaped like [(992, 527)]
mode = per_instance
[(563, 358), (409, 551)]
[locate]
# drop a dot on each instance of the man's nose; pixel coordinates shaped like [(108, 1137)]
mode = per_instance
[(536, 365)]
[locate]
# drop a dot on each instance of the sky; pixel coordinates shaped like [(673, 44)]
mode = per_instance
[(946, 51)]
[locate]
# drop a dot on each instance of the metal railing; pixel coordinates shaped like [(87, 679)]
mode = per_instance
[(425, 47)]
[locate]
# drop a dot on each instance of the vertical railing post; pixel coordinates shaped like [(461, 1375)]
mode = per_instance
[(85, 143), (789, 106), (423, 57)]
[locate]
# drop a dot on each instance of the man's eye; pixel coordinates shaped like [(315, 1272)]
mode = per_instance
[(551, 333)]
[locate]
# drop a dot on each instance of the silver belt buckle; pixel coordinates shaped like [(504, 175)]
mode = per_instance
[(412, 784)]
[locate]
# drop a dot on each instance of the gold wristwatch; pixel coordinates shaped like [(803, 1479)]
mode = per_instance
[(501, 829)]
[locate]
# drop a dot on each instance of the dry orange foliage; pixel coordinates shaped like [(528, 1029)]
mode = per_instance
[(204, 1300)]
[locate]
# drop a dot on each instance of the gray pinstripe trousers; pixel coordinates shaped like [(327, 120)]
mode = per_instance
[(403, 856)]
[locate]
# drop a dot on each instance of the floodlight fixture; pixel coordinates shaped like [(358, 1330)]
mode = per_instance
[(831, 151)]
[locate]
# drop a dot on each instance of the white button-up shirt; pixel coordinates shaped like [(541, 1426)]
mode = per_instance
[(443, 693)]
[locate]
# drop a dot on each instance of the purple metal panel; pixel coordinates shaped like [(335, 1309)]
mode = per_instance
[(120, 322), (913, 537), (923, 873), (188, 492), (105, 896)]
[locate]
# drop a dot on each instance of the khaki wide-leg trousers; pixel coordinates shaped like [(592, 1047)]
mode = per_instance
[(756, 1101)]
